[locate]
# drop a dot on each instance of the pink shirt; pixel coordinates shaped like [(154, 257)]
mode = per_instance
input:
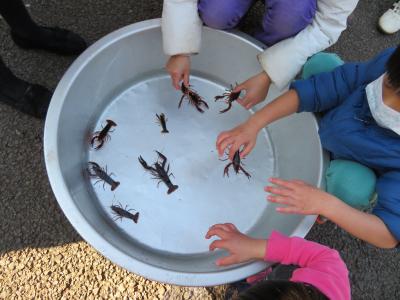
[(320, 266)]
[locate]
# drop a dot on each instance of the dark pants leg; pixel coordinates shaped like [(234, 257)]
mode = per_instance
[(223, 14), (17, 17), (284, 19)]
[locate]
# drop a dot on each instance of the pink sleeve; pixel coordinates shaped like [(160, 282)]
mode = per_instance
[(319, 265)]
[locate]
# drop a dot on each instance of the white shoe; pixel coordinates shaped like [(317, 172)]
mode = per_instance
[(389, 22)]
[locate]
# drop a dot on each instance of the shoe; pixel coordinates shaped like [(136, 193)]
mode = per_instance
[(34, 101), (53, 39), (389, 22)]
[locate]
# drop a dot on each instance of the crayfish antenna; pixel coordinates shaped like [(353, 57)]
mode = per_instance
[(205, 103)]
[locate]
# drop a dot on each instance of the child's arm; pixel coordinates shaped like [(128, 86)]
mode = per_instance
[(319, 265), (241, 247), (278, 248), (246, 133), (181, 32), (301, 198), (319, 93), (181, 20), (284, 60)]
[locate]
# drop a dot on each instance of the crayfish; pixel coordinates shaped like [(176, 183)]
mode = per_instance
[(95, 171), (162, 120), (100, 137), (120, 213), (228, 97), (193, 98), (237, 166), (160, 171)]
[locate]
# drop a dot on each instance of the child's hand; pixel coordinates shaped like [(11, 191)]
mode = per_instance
[(256, 89), (178, 67), (241, 247), (298, 196), (243, 135)]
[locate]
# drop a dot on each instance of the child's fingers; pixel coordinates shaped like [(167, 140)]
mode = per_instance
[(279, 191), (224, 144), (280, 200), (223, 135), (231, 226), (246, 101), (219, 244), (284, 183), (247, 149), (290, 210), (227, 260), (243, 101), (298, 181), (186, 79), (249, 104), (238, 88), (221, 233), (224, 226), (176, 77)]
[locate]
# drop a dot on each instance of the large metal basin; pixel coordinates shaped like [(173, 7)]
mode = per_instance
[(122, 77)]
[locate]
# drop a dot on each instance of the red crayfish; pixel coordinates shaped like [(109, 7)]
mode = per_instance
[(193, 98), (95, 171), (160, 171), (228, 97), (237, 165), (100, 137)]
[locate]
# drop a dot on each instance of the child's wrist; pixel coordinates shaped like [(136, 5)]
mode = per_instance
[(182, 55), (329, 206), (258, 247), (256, 122), (266, 78)]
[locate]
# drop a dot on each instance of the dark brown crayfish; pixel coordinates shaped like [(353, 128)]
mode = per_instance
[(95, 171), (237, 166), (119, 212), (193, 98), (160, 171), (162, 120), (100, 137), (228, 97)]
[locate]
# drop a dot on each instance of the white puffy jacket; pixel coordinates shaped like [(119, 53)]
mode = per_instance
[(181, 28)]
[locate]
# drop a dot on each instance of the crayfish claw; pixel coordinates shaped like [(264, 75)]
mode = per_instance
[(144, 163)]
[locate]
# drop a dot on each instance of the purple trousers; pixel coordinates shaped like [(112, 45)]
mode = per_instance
[(282, 18)]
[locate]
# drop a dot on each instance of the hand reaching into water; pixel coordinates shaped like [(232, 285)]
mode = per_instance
[(178, 67), (241, 247), (243, 135), (298, 197), (256, 89)]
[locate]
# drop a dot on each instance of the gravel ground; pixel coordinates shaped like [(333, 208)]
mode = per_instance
[(41, 255)]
